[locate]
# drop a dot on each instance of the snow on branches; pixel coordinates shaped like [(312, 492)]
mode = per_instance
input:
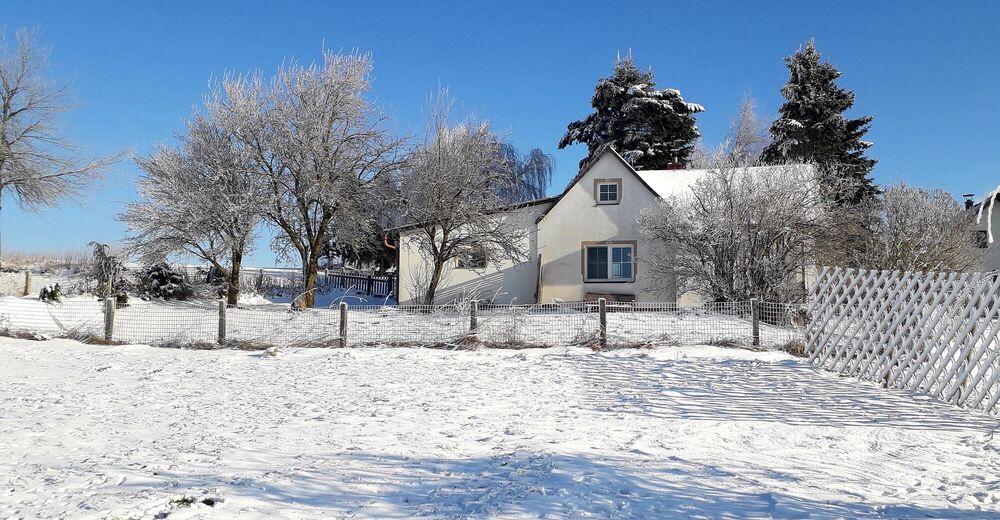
[(650, 128)]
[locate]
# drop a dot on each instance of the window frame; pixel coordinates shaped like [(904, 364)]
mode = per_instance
[(609, 248), (617, 183)]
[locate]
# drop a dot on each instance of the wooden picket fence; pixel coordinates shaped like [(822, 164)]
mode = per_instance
[(935, 332)]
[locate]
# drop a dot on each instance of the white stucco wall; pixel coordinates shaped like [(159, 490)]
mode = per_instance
[(577, 218), (502, 281)]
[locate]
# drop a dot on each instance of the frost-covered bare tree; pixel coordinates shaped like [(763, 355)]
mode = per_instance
[(364, 245), (914, 229), (748, 135), (744, 143), (201, 198), (38, 166), (317, 143), (741, 233), (452, 186)]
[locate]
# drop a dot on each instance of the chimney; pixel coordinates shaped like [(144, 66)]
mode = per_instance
[(969, 202)]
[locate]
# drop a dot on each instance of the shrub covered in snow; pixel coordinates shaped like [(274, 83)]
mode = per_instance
[(50, 293), (161, 281)]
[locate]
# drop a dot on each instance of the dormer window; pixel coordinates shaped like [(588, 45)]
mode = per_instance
[(608, 191)]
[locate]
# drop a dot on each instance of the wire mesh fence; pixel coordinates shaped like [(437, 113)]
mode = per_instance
[(749, 324), (77, 319)]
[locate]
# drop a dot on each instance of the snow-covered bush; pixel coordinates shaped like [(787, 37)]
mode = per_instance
[(740, 233), (161, 281), (108, 270), (50, 293)]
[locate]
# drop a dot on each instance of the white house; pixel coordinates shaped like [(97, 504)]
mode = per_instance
[(988, 219), (583, 244)]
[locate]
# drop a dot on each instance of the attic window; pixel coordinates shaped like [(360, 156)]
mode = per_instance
[(608, 191)]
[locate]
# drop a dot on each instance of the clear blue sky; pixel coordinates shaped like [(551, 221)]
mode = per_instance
[(928, 71)]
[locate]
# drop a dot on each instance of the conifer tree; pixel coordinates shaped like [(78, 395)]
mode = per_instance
[(650, 128), (811, 126)]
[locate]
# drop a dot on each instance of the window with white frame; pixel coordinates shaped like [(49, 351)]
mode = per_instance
[(609, 192), (609, 263)]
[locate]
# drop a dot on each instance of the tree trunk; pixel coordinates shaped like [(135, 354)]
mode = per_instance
[(233, 293), (435, 280), (310, 275)]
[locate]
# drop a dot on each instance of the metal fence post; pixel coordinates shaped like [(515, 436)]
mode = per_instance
[(343, 324), (755, 320), (109, 319), (27, 283), (474, 317), (222, 322), (602, 328)]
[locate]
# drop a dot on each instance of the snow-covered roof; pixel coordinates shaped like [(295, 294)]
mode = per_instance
[(666, 183)]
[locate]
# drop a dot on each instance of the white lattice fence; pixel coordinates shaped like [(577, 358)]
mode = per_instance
[(930, 332)]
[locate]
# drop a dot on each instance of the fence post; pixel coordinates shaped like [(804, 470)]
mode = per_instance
[(109, 319), (602, 328), (222, 322), (343, 324), (368, 285), (755, 320), (474, 318), (27, 283)]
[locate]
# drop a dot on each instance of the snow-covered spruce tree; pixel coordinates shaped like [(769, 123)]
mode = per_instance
[(317, 143), (811, 126), (38, 166), (452, 186), (650, 128), (201, 198)]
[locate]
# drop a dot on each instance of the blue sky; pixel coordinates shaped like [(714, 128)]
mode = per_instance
[(928, 71)]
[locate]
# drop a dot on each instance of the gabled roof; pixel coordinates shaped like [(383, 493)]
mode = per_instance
[(661, 183), (583, 171), (666, 183)]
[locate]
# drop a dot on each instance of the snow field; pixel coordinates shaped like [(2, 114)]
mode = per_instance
[(141, 432)]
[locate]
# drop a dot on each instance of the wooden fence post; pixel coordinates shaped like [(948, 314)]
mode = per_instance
[(27, 283), (109, 319), (755, 321), (474, 318), (343, 324), (602, 329), (222, 322)]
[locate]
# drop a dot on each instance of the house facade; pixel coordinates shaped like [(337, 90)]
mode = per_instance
[(989, 215), (581, 245)]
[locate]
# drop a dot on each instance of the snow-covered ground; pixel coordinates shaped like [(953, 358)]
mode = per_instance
[(141, 432)]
